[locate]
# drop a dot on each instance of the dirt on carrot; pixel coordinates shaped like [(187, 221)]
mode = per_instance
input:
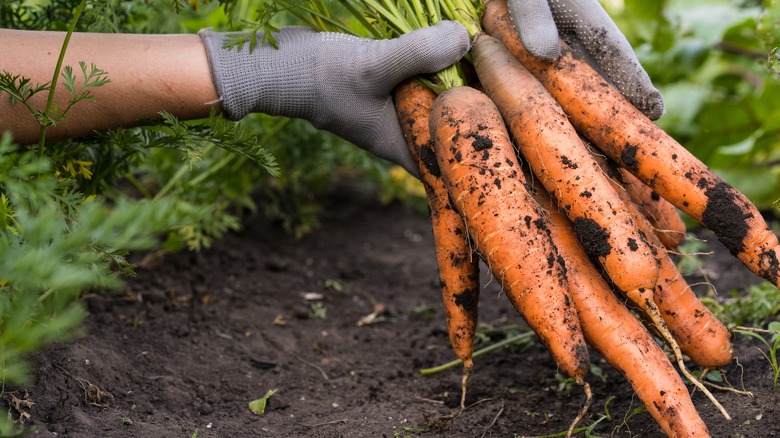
[(666, 222), (699, 334)]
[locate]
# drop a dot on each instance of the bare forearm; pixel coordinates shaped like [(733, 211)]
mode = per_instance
[(148, 73)]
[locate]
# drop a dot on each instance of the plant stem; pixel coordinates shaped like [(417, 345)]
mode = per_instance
[(488, 349), (180, 174), (50, 101)]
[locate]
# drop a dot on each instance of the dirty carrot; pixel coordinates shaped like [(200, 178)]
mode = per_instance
[(565, 167), (479, 166), (620, 338), (458, 264), (667, 223), (645, 299), (700, 335), (606, 118)]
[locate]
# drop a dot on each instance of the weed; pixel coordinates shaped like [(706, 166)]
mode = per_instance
[(334, 284), (525, 338), (588, 430), (564, 383), (690, 251), (259, 405), (317, 311), (426, 311), (772, 345), (407, 431), (753, 307)]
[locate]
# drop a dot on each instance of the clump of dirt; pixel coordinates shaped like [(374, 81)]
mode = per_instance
[(595, 239), (185, 347), (480, 142), (725, 218), (628, 157)]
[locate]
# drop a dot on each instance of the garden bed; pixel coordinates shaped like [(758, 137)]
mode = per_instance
[(197, 336)]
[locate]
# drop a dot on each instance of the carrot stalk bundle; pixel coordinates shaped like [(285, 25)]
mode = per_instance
[(458, 264), (479, 166), (565, 167), (620, 338), (605, 117)]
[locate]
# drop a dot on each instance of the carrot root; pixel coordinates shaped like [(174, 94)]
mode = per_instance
[(621, 339), (458, 265), (480, 169)]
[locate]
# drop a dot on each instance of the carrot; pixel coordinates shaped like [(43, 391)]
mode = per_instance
[(458, 264), (565, 167), (666, 222), (480, 169), (534, 117), (700, 335), (620, 338), (600, 113)]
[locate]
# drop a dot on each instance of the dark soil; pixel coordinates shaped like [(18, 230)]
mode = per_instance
[(193, 339)]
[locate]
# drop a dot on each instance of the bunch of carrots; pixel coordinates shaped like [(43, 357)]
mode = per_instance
[(569, 194)]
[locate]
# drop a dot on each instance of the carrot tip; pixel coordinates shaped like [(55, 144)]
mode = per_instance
[(585, 407), (466, 374)]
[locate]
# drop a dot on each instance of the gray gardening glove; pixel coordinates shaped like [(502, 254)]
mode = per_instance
[(338, 82), (587, 28)]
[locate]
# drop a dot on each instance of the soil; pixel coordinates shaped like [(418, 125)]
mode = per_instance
[(197, 336)]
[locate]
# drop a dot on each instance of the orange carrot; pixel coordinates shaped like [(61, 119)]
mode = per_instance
[(667, 223), (532, 114), (458, 264), (700, 335), (605, 117), (564, 165), (620, 338), (480, 169)]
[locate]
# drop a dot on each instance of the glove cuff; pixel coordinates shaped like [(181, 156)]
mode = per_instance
[(263, 81)]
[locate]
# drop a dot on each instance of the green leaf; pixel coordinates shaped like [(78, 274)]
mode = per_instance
[(709, 22), (775, 327), (769, 24), (258, 406), (648, 20), (753, 335), (683, 101), (714, 376)]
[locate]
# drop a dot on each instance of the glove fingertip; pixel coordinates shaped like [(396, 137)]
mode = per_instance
[(652, 105), (456, 44), (534, 24), (543, 49)]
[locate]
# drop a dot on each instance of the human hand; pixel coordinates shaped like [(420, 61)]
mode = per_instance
[(585, 26), (340, 83)]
